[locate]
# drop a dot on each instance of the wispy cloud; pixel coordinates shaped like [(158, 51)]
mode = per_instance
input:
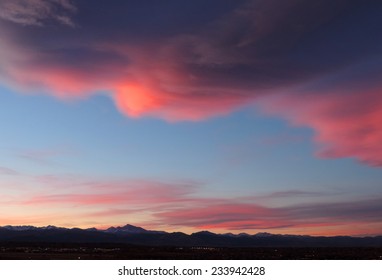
[(244, 216), (37, 12), (8, 171), (47, 156), (129, 192)]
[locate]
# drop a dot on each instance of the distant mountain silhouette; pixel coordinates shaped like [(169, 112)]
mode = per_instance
[(130, 234), (130, 229)]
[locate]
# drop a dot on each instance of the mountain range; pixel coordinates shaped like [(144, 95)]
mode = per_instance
[(130, 234)]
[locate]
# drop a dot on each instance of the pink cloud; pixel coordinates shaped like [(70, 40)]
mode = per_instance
[(105, 193), (345, 124), (112, 212), (163, 87), (137, 101), (81, 199), (160, 88), (217, 215), (64, 83)]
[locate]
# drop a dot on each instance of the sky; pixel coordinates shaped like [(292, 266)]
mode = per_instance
[(219, 115)]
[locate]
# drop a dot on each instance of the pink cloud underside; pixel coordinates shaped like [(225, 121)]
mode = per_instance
[(138, 101), (164, 88), (141, 87), (345, 125), (155, 197), (58, 81)]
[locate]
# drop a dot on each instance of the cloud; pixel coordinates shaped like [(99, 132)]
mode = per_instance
[(177, 65), (182, 205), (209, 70), (365, 210), (243, 216), (135, 193), (218, 215), (37, 12), (346, 123), (46, 156), (8, 171)]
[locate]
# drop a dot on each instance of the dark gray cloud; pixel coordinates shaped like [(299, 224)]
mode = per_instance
[(37, 12)]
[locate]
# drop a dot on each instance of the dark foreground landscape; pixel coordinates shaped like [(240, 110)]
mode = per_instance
[(49, 251), (130, 242)]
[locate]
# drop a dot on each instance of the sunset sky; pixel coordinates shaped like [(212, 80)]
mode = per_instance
[(220, 115)]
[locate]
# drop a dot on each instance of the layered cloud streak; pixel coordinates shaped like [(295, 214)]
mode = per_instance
[(181, 205)]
